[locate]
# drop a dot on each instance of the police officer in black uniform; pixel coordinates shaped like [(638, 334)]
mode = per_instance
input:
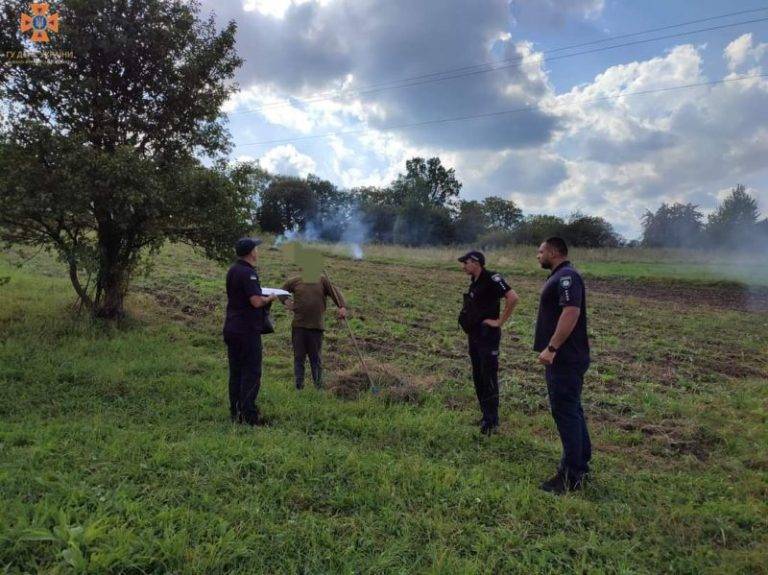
[(479, 318), (243, 327), (561, 339)]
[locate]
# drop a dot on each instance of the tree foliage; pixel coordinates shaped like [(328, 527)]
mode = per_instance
[(536, 228), (590, 232), (677, 225), (428, 183), (501, 214), (735, 221), (100, 152), (471, 222), (287, 203)]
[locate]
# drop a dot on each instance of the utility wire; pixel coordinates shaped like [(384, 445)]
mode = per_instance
[(511, 62), (499, 113)]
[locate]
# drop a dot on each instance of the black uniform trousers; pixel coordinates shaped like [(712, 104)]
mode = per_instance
[(307, 343), (564, 383), (484, 352), (245, 355)]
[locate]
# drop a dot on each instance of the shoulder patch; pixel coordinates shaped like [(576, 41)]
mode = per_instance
[(256, 278), (497, 278), (566, 281)]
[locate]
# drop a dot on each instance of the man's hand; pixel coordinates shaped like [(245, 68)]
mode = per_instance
[(342, 313), (289, 303), (492, 322), (547, 357)]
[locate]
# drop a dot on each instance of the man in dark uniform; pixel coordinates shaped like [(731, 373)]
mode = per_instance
[(479, 318), (561, 339), (242, 332)]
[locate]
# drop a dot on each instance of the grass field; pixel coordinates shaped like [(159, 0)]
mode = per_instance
[(117, 455)]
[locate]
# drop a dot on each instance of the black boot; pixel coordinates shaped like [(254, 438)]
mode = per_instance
[(563, 482), (254, 419)]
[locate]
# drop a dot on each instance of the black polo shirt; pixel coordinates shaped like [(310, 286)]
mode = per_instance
[(242, 283), (481, 302), (563, 288)]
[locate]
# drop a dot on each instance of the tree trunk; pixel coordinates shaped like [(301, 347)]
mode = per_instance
[(113, 290), (113, 278), (82, 292)]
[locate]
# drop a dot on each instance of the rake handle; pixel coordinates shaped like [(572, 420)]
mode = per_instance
[(354, 342)]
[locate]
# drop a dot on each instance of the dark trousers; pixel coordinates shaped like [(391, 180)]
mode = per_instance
[(245, 353), (564, 383), (307, 343), (484, 353)]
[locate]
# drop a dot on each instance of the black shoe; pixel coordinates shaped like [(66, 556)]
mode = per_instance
[(253, 419), (563, 482), (299, 387), (556, 484), (488, 428), (577, 483), (257, 421)]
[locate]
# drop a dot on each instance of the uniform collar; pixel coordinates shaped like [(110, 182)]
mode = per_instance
[(564, 264), (245, 263), (482, 274)]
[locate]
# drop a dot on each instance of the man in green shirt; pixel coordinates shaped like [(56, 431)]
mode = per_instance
[(308, 306)]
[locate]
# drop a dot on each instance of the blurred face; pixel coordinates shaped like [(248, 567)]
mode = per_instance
[(311, 263), (254, 255), (545, 255), (471, 267)]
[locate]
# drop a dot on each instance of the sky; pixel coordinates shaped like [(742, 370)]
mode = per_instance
[(334, 88)]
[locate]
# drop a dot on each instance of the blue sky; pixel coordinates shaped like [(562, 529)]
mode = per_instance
[(583, 143)]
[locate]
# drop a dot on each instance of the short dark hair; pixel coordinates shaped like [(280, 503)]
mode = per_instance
[(557, 244)]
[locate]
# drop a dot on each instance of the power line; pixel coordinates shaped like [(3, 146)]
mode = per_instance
[(498, 113), (336, 93), (518, 60), (511, 62)]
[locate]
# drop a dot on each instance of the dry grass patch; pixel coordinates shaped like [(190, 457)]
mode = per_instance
[(386, 381)]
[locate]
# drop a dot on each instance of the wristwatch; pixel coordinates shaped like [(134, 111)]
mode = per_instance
[(551, 349)]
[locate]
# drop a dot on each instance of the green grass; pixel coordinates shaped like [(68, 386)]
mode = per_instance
[(636, 263), (117, 456)]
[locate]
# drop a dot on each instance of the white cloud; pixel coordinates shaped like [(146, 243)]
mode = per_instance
[(615, 157), (628, 153), (276, 8), (287, 160), (311, 115), (742, 50)]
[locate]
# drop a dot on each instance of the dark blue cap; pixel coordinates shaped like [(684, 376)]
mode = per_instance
[(475, 256), (244, 246)]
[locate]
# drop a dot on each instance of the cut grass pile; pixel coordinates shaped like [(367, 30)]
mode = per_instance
[(391, 383)]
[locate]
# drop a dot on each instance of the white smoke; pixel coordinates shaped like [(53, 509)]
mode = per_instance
[(350, 228), (355, 234)]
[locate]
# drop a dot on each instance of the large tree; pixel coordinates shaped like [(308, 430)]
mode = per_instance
[(335, 209), (590, 232), (470, 222), (426, 182), (501, 214), (102, 151), (673, 226), (286, 204), (735, 222), (534, 229)]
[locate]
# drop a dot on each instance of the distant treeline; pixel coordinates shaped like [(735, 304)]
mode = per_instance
[(735, 223), (420, 207)]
